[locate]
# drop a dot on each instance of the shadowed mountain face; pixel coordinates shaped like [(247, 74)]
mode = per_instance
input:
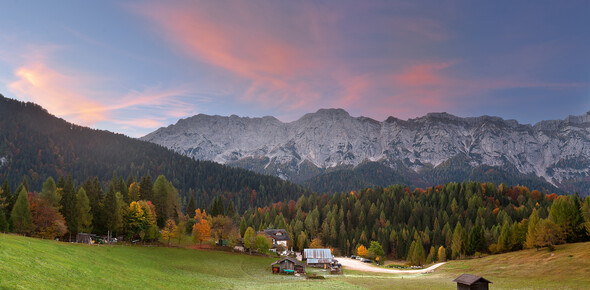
[(330, 145)]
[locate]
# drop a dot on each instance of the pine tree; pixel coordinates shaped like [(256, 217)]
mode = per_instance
[(21, 214), (83, 212)]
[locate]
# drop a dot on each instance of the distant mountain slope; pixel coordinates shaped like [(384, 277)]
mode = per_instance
[(433, 149), (37, 144)]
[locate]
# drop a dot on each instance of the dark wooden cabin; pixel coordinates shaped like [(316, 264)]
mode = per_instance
[(471, 282), (287, 265)]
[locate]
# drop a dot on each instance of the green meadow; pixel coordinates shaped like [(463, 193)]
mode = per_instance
[(41, 264)]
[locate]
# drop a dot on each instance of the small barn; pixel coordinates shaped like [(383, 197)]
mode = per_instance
[(287, 265), (85, 238), (318, 257), (471, 282)]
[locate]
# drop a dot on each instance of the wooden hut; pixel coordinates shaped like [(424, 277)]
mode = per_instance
[(471, 282), (287, 265)]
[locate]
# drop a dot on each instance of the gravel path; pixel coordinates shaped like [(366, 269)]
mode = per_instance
[(353, 264)]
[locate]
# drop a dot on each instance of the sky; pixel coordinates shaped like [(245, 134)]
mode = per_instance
[(134, 66)]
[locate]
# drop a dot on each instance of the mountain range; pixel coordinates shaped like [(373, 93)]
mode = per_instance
[(329, 150)]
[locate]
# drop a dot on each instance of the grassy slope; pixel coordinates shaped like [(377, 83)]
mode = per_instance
[(33, 263), (567, 267)]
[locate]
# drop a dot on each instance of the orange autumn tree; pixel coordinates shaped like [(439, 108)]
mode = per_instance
[(201, 232), (361, 251)]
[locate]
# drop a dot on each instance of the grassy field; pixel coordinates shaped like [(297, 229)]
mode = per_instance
[(39, 264)]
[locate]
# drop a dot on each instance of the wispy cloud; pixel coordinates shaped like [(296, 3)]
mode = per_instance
[(76, 96)]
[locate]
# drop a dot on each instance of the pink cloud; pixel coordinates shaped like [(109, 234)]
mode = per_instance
[(61, 94), (76, 97)]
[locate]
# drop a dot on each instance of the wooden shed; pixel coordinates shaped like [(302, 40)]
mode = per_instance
[(85, 238), (471, 282), (287, 265)]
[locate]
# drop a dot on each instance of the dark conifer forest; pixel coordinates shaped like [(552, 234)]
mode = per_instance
[(37, 145)]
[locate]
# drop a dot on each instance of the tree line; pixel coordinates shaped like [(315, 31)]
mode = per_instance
[(133, 208), (425, 225)]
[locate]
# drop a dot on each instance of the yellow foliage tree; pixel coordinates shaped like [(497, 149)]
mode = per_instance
[(169, 230), (201, 232), (362, 251), (316, 244)]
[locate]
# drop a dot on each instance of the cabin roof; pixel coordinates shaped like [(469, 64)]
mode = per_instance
[(317, 253), (279, 234), (468, 279), (292, 260)]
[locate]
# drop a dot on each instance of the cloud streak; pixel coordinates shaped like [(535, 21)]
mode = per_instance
[(76, 96)]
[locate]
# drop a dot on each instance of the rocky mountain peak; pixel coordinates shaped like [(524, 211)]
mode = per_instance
[(331, 138)]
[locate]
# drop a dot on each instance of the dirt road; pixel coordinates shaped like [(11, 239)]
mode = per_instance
[(353, 264)]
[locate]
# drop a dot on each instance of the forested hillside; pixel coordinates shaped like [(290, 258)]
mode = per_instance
[(456, 169), (443, 222), (38, 145)]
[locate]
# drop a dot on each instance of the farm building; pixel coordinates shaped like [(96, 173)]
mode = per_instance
[(278, 237), (471, 282), (318, 257), (287, 265)]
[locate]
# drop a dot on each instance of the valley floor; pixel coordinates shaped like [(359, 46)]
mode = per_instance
[(41, 264)]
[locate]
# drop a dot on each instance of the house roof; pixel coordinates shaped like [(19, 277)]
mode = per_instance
[(468, 279), (293, 260), (279, 235), (317, 253)]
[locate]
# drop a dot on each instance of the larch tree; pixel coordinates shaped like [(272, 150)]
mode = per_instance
[(83, 212), (549, 234), (21, 214), (531, 234), (133, 193), (457, 241), (50, 193), (249, 239), (442, 254), (169, 230)]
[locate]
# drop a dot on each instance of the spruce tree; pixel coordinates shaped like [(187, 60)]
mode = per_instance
[(21, 214), (9, 199), (3, 222), (112, 210), (146, 188), (191, 207)]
